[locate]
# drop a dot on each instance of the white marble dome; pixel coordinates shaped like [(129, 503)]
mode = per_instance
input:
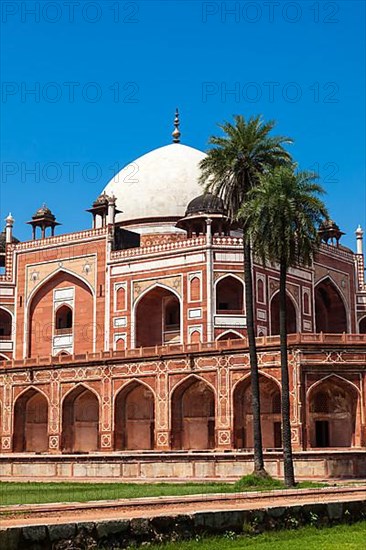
[(157, 185)]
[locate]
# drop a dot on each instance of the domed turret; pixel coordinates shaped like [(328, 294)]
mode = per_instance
[(329, 232), (199, 210), (44, 219), (206, 204)]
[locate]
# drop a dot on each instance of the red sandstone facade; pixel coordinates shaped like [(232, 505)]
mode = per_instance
[(106, 347)]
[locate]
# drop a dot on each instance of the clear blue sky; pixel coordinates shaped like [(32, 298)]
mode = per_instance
[(301, 63)]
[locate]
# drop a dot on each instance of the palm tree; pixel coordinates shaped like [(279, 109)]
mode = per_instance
[(281, 217), (231, 168)]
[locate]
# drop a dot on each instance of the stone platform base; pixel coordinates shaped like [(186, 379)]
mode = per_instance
[(182, 466)]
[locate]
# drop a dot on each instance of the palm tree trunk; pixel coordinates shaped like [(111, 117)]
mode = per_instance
[(285, 395), (254, 379)]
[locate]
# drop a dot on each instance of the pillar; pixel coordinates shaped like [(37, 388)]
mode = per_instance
[(162, 409), (9, 229), (359, 240)]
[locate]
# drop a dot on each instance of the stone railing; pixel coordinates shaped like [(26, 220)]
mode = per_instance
[(61, 239), (228, 241), (158, 248), (240, 344), (336, 251)]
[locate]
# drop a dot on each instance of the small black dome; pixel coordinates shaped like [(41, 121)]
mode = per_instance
[(206, 204)]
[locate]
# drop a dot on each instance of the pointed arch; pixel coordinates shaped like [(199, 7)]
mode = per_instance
[(80, 419), (193, 414), (261, 373), (195, 288), (335, 376), (230, 334), (63, 319), (40, 315), (134, 417), (54, 274), (157, 313), (292, 314), (362, 325), (196, 377), (229, 295), (332, 405), (3, 357), (6, 323), (330, 307), (270, 394), (31, 421)]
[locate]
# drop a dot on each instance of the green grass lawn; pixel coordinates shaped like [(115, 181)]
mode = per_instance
[(341, 537), (36, 493)]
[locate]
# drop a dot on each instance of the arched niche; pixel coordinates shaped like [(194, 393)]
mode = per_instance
[(157, 318), (193, 415), (332, 406), (134, 418), (6, 325), (330, 311), (63, 320), (31, 422), (362, 326), (80, 421), (41, 315), (229, 296), (270, 397), (291, 321)]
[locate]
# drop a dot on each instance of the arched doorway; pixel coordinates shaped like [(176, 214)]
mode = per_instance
[(362, 326), (80, 421), (332, 414), (157, 318), (193, 415), (6, 322), (270, 414), (330, 312), (229, 296), (134, 418), (275, 315), (31, 423)]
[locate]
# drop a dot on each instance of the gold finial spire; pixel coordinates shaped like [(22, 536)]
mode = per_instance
[(176, 133)]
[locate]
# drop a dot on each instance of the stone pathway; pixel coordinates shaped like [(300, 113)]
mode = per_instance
[(53, 514)]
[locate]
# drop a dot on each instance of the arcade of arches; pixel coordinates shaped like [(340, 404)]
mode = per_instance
[(332, 417)]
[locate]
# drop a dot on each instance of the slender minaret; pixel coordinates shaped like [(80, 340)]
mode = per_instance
[(359, 239), (176, 133), (9, 229)]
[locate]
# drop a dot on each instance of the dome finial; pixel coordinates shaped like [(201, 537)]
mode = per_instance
[(176, 134)]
